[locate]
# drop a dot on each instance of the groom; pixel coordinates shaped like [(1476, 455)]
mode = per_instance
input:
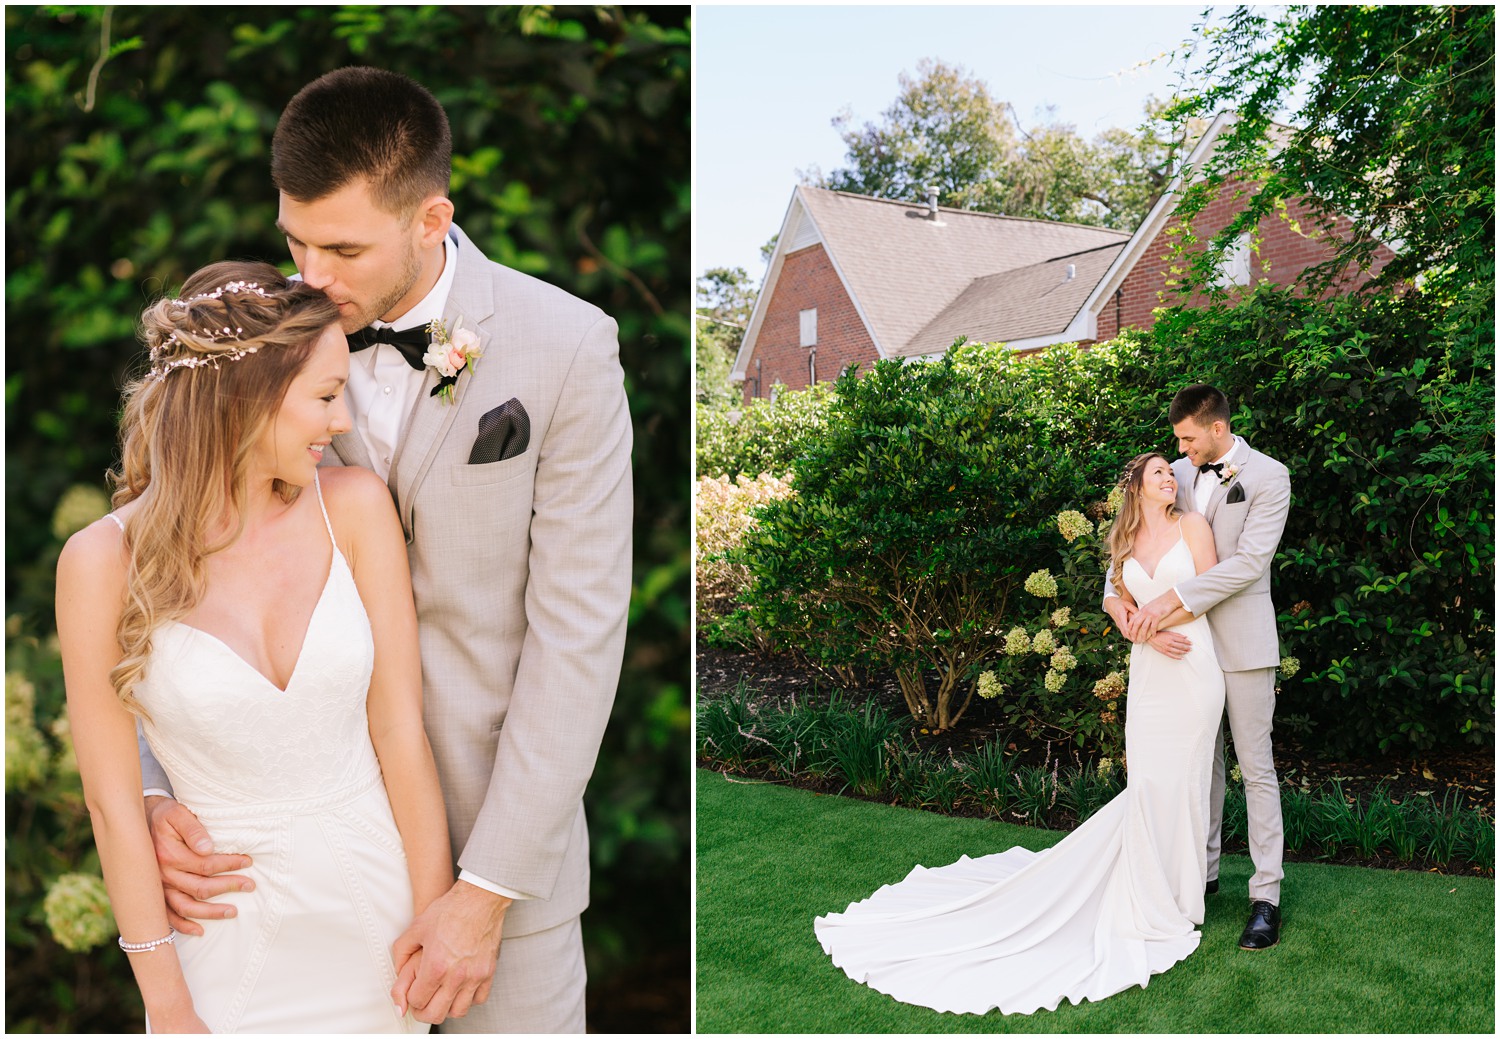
[(514, 489), (1244, 495)]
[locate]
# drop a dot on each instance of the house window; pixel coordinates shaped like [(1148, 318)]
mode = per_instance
[(1234, 268), (809, 327)]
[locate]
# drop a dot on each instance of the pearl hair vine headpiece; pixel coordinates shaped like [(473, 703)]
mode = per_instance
[(160, 370)]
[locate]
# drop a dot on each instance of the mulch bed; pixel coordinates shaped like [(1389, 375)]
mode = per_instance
[(778, 680)]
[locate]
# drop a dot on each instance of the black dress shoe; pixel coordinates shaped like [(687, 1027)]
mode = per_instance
[(1264, 928), (1211, 888)]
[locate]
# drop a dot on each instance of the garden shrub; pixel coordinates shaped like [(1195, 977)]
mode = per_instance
[(761, 435), (917, 512), (1383, 410)]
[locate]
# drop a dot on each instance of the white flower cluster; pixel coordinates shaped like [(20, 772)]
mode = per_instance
[(1105, 768), (989, 686), (1054, 681), (1063, 659), (79, 506), (1110, 686), (1235, 776), (1115, 500), (1044, 642), (1290, 666), (1017, 642), (1073, 525), (26, 752), (1042, 584), (77, 912), (1061, 616)]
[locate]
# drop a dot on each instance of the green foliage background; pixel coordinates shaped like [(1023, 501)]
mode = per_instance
[(138, 150), (1380, 405)]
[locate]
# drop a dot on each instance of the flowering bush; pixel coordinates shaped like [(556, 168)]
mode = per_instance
[(27, 755), (77, 911), (1042, 584), (724, 510), (1073, 525)]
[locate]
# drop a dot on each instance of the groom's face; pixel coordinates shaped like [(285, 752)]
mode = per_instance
[(1199, 442), (368, 260)]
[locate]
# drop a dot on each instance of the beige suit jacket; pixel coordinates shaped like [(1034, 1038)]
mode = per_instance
[(1236, 594)]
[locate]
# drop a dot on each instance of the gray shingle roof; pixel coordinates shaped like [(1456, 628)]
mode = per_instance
[(1039, 300), (907, 270)]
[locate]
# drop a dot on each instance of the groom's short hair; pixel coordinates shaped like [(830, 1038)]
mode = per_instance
[(363, 122), (1203, 403)]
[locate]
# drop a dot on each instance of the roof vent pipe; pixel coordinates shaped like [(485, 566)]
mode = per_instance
[(1071, 272), (932, 197)]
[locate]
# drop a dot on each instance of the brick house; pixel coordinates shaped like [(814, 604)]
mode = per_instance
[(856, 279)]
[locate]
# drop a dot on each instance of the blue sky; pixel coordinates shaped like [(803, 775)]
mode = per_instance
[(768, 80)]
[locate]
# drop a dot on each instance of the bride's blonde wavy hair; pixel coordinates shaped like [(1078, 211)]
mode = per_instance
[(222, 357), (1128, 523)]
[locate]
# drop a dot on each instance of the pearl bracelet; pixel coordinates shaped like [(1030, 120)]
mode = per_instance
[(171, 937)]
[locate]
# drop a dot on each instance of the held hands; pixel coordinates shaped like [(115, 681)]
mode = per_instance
[(446, 959), (1171, 643), (1143, 624), (190, 871)]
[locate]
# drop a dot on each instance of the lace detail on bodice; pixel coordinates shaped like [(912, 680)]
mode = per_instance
[(232, 742)]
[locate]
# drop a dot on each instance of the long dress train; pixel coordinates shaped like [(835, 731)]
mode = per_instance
[(290, 778), (1114, 902)]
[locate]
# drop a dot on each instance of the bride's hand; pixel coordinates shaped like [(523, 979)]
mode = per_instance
[(1171, 644)]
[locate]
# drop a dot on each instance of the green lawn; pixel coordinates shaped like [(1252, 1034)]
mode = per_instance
[(1362, 950)]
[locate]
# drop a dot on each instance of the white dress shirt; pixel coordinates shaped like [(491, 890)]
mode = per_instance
[(382, 386)]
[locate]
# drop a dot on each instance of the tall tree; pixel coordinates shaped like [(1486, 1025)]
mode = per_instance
[(1393, 125), (946, 130), (725, 299)]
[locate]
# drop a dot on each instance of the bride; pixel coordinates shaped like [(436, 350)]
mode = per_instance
[(257, 619), (1119, 898)]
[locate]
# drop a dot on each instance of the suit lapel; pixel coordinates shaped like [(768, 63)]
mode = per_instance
[(1237, 457), (471, 301)]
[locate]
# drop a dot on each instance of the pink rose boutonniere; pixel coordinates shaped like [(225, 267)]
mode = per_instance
[(449, 353), (1229, 473)]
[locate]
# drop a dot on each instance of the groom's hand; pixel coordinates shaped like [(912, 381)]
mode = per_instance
[(190, 871), (1143, 625), (458, 937)]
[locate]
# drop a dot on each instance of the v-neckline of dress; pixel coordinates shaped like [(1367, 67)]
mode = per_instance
[(1151, 576), (301, 649)]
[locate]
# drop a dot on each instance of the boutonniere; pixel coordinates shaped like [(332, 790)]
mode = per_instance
[(449, 353), (1229, 473)]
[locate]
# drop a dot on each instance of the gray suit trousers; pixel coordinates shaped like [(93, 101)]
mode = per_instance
[(1250, 699)]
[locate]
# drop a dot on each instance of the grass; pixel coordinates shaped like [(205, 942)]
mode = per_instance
[(1362, 950)]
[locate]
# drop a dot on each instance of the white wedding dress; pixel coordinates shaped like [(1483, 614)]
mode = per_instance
[(1114, 902), (290, 778)]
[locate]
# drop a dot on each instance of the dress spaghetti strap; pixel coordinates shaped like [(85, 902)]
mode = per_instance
[(118, 521), (319, 486)]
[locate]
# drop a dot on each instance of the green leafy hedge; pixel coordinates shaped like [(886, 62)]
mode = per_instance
[(1381, 406), (138, 150)]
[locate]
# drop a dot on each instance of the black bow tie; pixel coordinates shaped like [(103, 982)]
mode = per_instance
[(412, 342), (1217, 467)]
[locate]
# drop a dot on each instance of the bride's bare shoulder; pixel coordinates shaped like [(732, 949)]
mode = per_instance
[(94, 561), (1194, 523)]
